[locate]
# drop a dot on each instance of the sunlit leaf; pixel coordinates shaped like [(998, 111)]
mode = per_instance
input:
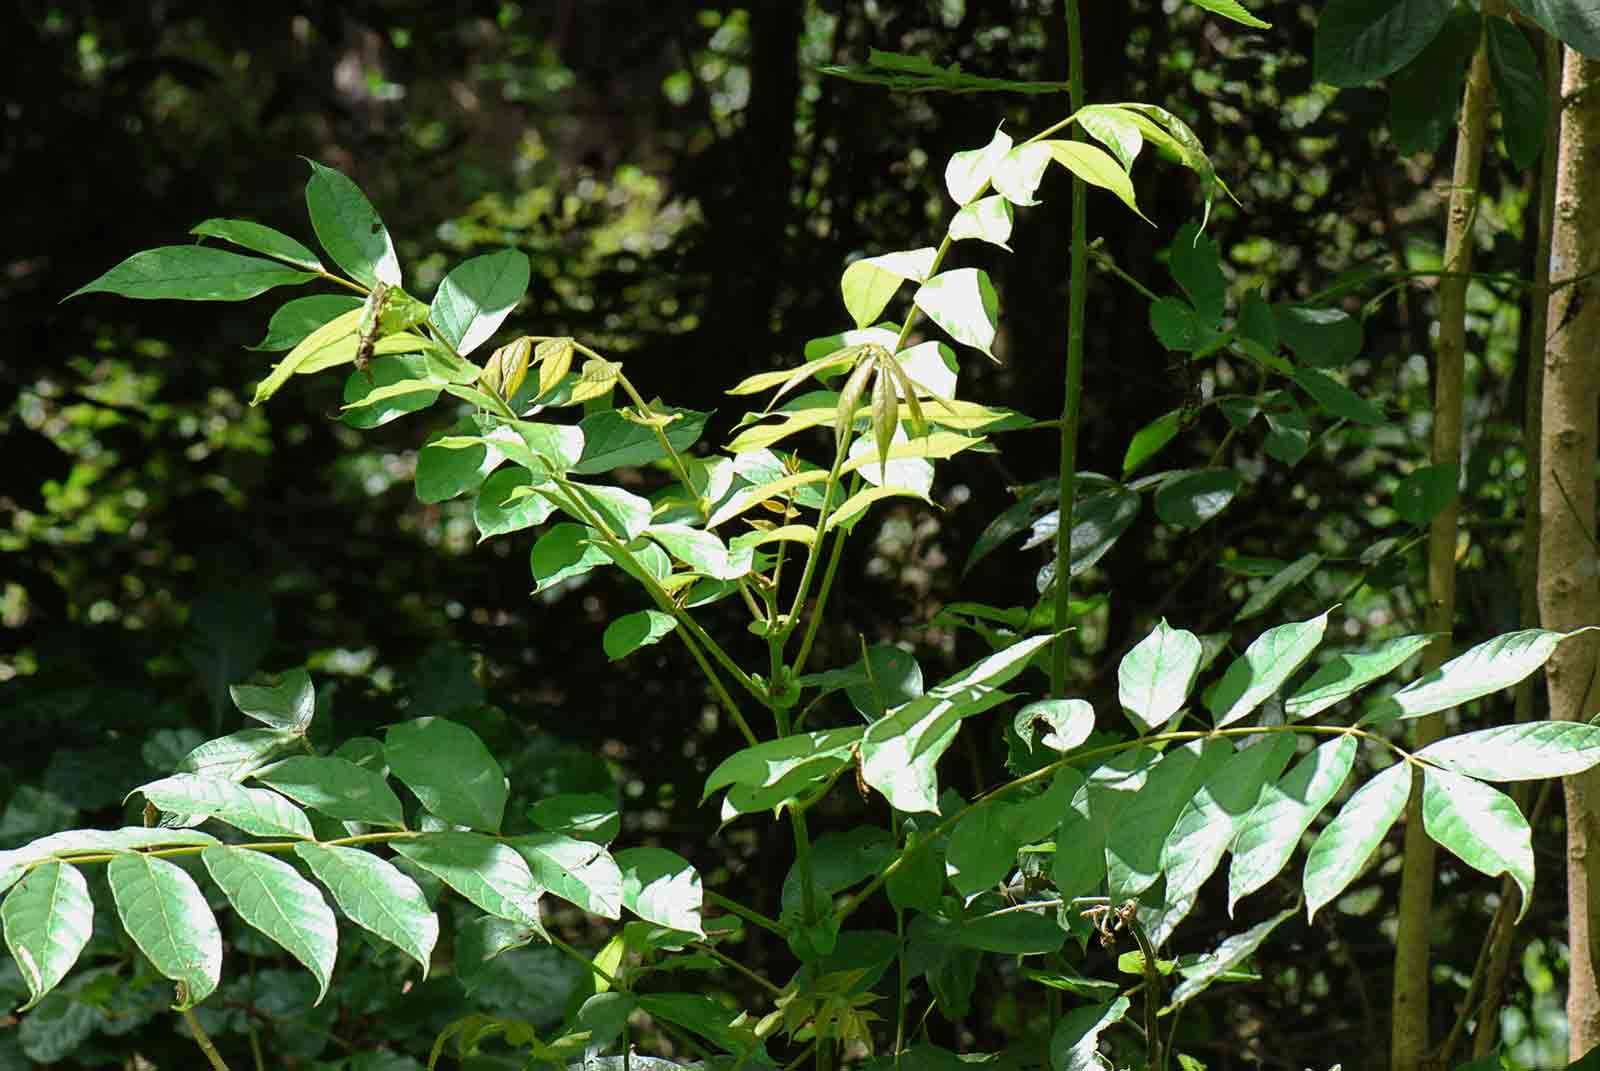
[(376, 897), (271, 896), (1481, 826), (48, 918), (166, 914), (1266, 664), (1268, 837), (1343, 848), (349, 228), (1154, 678)]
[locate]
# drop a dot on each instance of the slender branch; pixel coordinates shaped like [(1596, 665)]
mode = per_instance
[(749, 914), (202, 1039)]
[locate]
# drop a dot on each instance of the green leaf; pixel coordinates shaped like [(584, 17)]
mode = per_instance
[(661, 887), (868, 284), (969, 172), (981, 851), (192, 273), (450, 770), (399, 384), (1519, 87), (1095, 811), (1075, 1045), (1269, 836), (579, 871), (445, 471), (1488, 667), (1347, 673), (333, 344), (48, 918), (1425, 94), (1192, 498), (581, 815), (234, 756), (624, 513), (165, 913), (1225, 957), (1575, 22), (881, 680), (632, 631), (964, 304), (1134, 840), (297, 318), (1225, 799), (1234, 10), (1360, 41), (1336, 399), (703, 1016), (564, 552), (1068, 723), (1176, 325), (988, 219), (1280, 582), (376, 896), (477, 296), (900, 750), (254, 810), (781, 768), (1322, 338), (288, 704), (1270, 660), (1256, 324), (336, 787), (1114, 128), (1196, 264), (1154, 677), (497, 511), (486, 871), (259, 239), (1344, 846), (1148, 440), (349, 228), (76, 842), (1481, 826), (1096, 167), (1529, 751), (612, 441), (1289, 434), (272, 897), (992, 926)]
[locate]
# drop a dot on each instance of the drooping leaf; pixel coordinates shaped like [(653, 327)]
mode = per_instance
[(1148, 440), (336, 787), (1320, 337), (632, 631), (1196, 263), (1154, 678), (868, 284), (1523, 752), (48, 918), (988, 219), (1096, 167), (1190, 499), (1344, 846), (376, 896), (1209, 822), (485, 870), (166, 914), (1519, 89), (661, 887), (193, 273), (1489, 667), (1347, 673), (981, 850), (1575, 22), (1234, 10), (1270, 660), (1075, 1045), (476, 297), (349, 228), (1281, 581), (1425, 94), (288, 703), (967, 173), (579, 871), (1360, 41), (1229, 954), (297, 318), (271, 896), (449, 769), (259, 239), (1134, 841), (1269, 836), (1336, 399), (254, 810), (1481, 826), (964, 304)]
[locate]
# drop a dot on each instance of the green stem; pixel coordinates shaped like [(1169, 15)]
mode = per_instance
[(828, 575), (749, 914), (1071, 409), (734, 965), (202, 1039)]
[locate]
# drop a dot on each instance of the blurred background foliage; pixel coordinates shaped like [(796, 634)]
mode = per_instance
[(688, 187)]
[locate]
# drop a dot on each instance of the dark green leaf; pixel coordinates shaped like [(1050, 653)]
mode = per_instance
[(495, 511), (287, 704), (1190, 499), (1425, 95), (1075, 1045), (297, 318), (887, 677), (1575, 22), (1360, 41), (1519, 87), (1148, 440), (260, 239), (564, 552), (443, 472), (349, 228), (1336, 399), (1176, 325), (583, 815), (1134, 841), (1256, 324), (1032, 501), (1197, 266), (1280, 582), (1226, 956), (1322, 338), (336, 787), (398, 384), (1288, 435), (612, 441), (632, 631), (450, 770), (193, 273), (476, 297)]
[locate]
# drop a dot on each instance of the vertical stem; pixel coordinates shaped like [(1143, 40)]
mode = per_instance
[(1569, 595), (1071, 406), (202, 1039), (1485, 1039), (1408, 1041)]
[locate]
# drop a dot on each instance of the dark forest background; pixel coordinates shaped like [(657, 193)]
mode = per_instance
[(688, 186)]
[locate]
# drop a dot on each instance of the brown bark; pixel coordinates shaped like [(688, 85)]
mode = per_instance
[(1569, 594), (1408, 1036)]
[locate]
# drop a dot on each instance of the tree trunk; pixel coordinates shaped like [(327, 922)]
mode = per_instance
[(1408, 1037), (1569, 594)]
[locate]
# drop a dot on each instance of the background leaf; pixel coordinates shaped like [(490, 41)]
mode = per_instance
[(449, 769), (1360, 41), (1519, 89)]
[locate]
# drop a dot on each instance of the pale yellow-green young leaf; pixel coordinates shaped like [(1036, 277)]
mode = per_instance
[(868, 284), (340, 327), (1018, 174), (783, 377), (907, 391), (750, 497), (885, 413), (967, 173), (1113, 128), (763, 436), (849, 402), (512, 360), (554, 357), (935, 447), (1096, 167), (596, 379), (857, 504)]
